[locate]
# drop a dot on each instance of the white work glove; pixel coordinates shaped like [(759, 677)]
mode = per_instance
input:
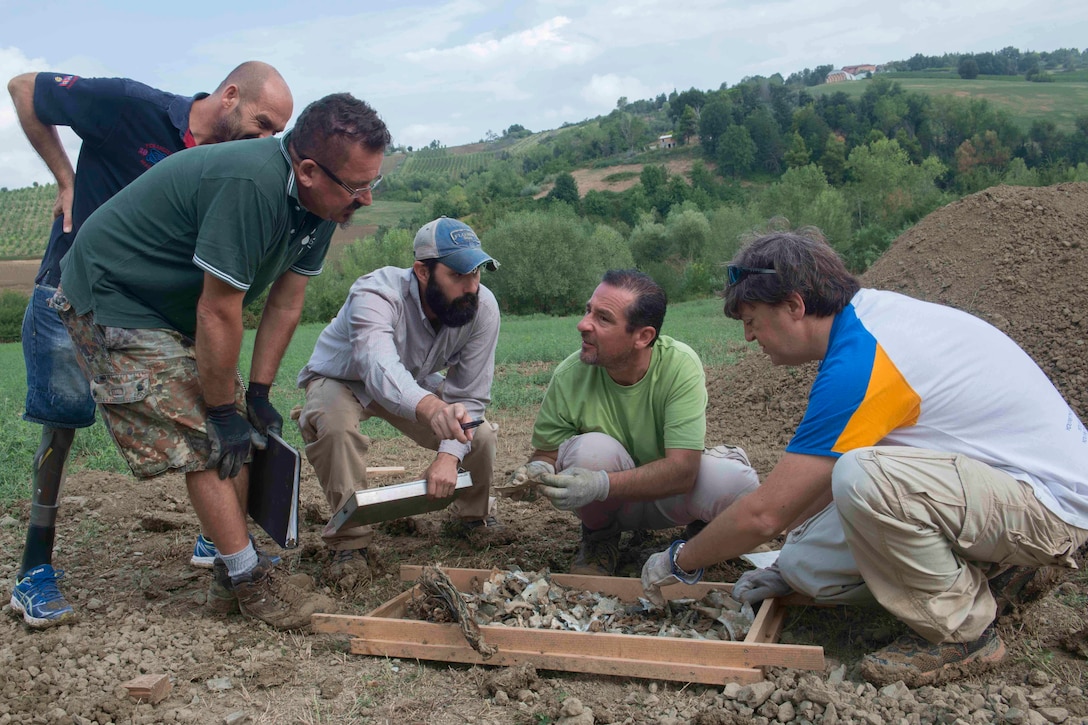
[(661, 570), (574, 488), (759, 584), (531, 471)]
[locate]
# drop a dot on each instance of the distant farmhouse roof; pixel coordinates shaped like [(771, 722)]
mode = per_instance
[(856, 70), (850, 73)]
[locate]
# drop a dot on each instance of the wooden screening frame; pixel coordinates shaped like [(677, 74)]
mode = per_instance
[(384, 632)]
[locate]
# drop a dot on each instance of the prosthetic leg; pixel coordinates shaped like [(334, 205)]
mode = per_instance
[(49, 464)]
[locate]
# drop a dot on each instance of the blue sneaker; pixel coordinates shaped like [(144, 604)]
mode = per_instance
[(38, 599), (204, 553)]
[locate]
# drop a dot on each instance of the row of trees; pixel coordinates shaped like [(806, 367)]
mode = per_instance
[(1008, 61), (862, 169)]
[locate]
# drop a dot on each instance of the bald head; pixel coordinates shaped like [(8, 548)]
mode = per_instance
[(253, 101)]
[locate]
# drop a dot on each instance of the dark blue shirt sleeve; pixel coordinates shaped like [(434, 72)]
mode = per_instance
[(89, 106)]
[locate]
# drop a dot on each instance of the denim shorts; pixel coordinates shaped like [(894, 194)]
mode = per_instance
[(57, 393)]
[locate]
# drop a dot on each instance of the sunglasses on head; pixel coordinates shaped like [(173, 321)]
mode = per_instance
[(737, 272)]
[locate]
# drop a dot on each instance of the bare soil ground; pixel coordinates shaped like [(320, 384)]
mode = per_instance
[(597, 179), (18, 274), (1014, 256)]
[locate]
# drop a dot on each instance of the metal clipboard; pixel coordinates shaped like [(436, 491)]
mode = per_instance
[(373, 505)]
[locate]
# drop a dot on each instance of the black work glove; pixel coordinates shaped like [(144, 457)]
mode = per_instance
[(261, 415), (229, 434)]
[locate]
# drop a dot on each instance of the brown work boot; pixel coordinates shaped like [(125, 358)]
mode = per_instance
[(265, 594), (599, 552)]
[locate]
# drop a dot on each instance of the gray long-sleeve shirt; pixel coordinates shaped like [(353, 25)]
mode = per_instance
[(382, 346)]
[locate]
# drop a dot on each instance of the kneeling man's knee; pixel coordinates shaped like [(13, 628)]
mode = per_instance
[(853, 485)]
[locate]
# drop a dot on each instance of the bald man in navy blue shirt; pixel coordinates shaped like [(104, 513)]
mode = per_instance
[(125, 128)]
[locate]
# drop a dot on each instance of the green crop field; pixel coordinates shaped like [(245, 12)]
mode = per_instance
[(1023, 100), (386, 213), (453, 165), (26, 216)]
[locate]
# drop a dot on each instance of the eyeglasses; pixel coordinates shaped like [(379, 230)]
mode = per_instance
[(737, 272), (354, 192)]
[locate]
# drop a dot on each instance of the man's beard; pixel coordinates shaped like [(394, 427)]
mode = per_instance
[(229, 127), (451, 313)]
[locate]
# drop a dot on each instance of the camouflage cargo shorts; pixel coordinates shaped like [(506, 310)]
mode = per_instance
[(146, 385)]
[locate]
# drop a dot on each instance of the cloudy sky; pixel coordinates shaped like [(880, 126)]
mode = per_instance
[(454, 70)]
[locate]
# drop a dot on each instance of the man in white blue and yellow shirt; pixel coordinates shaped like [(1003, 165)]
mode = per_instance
[(935, 460)]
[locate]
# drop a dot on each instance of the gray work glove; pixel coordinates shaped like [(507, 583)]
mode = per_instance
[(661, 569), (657, 573), (262, 415), (230, 436), (574, 488), (759, 584), (531, 471)]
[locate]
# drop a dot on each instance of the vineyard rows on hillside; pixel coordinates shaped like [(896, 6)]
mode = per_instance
[(448, 165), (26, 216)]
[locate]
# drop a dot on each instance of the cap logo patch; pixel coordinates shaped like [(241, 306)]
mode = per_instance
[(464, 238)]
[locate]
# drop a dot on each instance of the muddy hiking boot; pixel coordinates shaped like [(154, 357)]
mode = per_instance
[(262, 593), (599, 552), (221, 596), (479, 532), (1018, 587), (349, 569), (918, 662)]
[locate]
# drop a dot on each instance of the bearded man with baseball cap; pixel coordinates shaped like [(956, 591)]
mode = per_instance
[(383, 355)]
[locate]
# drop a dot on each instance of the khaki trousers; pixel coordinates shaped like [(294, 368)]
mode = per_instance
[(923, 531), (329, 423), (721, 481)]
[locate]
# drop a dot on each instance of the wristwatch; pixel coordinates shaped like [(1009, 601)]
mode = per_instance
[(679, 573)]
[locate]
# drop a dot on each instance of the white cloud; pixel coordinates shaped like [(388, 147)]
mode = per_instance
[(20, 165), (605, 90), (542, 46)]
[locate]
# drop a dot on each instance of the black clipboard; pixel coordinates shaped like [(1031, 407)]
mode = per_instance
[(273, 490)]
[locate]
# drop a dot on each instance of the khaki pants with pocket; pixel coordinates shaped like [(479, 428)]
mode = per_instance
[(329, 423), (921, 532)]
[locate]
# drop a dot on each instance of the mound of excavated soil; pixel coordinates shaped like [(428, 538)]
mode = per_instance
[(1014, 256)]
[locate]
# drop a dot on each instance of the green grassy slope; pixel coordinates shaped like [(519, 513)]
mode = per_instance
[(1024, 100)]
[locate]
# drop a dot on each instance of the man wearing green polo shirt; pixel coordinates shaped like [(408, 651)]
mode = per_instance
[(152, 294)]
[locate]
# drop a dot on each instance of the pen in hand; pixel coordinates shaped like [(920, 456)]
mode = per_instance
[(472, 424)]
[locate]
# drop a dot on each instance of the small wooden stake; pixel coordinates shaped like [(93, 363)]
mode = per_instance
[(153, 688)]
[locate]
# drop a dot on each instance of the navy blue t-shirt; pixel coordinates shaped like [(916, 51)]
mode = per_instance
[(126, 127)]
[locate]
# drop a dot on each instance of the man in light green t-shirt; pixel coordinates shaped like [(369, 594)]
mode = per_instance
[(624, 424)]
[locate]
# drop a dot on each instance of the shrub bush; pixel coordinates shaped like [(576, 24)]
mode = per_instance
[(550, 260), (12, 307)]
